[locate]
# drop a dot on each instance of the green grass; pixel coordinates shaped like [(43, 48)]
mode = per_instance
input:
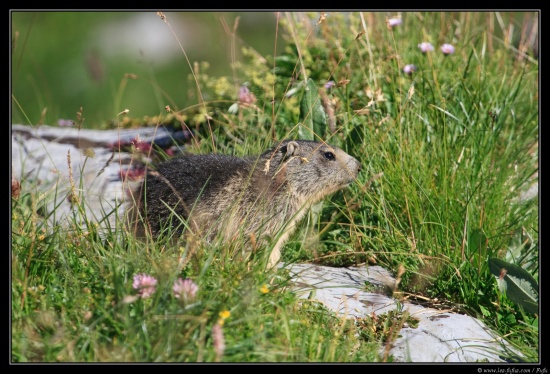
[(446, 152)]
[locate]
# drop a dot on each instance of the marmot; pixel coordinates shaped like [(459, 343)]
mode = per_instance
[(261, 196)]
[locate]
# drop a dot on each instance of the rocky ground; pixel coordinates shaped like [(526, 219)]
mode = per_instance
[(109, 161)]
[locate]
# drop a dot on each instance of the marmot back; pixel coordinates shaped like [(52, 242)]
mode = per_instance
[(263, 195)]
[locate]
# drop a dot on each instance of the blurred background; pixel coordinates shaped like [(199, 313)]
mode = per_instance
[(106, 62), (61, 61)]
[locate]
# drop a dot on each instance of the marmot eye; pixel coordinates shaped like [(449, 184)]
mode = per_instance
[(329, 156)]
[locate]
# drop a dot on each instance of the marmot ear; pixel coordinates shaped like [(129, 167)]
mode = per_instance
[(291, 148)]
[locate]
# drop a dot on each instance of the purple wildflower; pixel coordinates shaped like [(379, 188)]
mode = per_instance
[(65, 122), (425, 47), (185, 289), (448, 49), (409, 69), (245, 96), (395, 21), (132, 173), (15, 187), (144, 284), (329, 85), (141, 145), (218, 341)]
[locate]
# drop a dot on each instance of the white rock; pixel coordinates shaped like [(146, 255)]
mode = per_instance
[(441, 336)]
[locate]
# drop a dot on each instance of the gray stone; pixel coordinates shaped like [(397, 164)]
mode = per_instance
[(441, 336), (40, 156)]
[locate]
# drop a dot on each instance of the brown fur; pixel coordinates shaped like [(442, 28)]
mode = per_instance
[(264, 196)]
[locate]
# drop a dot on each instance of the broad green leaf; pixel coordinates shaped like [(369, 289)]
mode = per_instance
[(523, 250), (484, 311), (477, 240), (521, 287), (510, 319), (312, 113)]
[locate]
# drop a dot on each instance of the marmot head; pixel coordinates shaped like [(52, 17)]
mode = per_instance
[(311, 170)]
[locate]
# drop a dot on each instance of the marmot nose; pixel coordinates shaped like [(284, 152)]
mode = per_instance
[(358, 165), (353, 167)]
